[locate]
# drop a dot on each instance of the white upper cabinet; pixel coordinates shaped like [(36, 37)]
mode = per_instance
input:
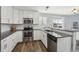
[(40, 20), (25, 14), (44, 20), (10, 14), (36, 18), (21, 17), (18, 16), (15, 16), (28, 14), (6, 14)]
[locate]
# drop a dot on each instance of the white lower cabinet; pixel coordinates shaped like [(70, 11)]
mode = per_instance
[(8, 44), (44, 38), (6, 14), (64, 44), (4, 44), (37, 35), (41, 35), (20, 36), (77, 35)]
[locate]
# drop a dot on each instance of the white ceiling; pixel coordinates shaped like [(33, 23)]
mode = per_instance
[(63, 10)]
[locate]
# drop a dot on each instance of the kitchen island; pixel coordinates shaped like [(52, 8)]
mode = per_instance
[(59, 42), (62, 41)]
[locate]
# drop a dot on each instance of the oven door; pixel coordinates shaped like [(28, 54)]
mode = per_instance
[(25, 33)]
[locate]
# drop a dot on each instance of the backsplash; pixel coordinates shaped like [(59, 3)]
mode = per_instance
[(6, 27)]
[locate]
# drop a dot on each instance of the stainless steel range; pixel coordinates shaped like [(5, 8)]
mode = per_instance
[(28, 29)]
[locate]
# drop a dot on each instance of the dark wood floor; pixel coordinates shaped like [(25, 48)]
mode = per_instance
[(31, 46)]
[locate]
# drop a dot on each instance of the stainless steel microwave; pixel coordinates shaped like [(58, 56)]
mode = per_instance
[(28, 20)]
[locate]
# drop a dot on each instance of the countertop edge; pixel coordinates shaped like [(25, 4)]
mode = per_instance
[(57, 37), (3, 35)]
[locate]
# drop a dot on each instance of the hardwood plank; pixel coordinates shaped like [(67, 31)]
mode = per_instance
[(31, 46)]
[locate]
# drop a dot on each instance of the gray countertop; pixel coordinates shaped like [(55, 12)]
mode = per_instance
[(70, 30), (7, 33), (58, 34), (67, 30)]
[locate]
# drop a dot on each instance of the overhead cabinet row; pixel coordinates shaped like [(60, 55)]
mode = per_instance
[(10, 15), (6, 14)]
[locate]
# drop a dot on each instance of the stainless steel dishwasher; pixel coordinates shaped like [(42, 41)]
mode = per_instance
[(52, 43)]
